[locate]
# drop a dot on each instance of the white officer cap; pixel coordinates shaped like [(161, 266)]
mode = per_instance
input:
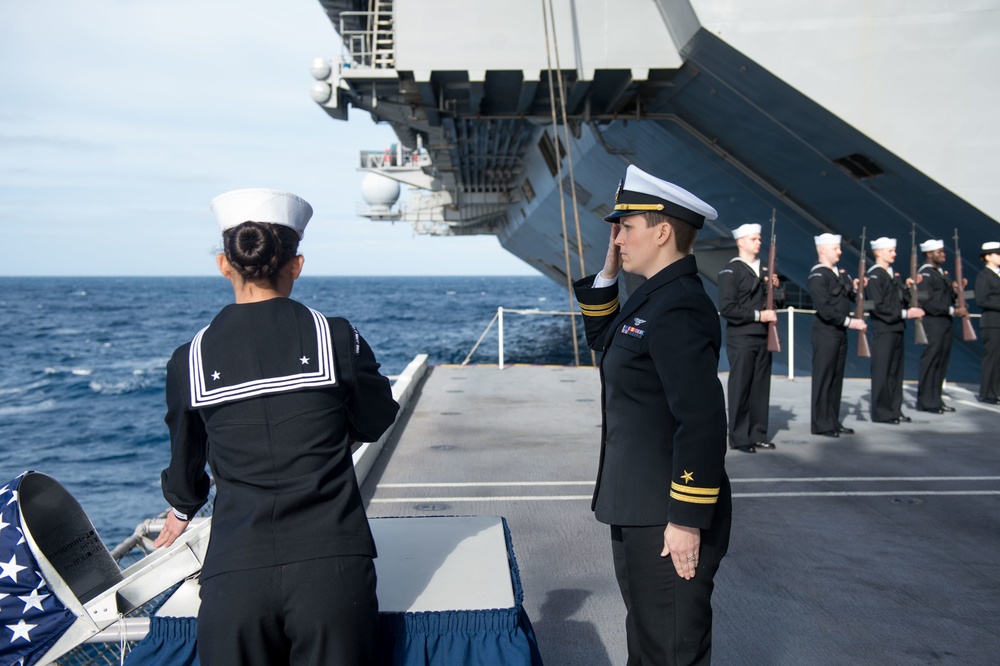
[(883, 243), (827, 239), (931, 245), (260, 204), (992, 247), (640, 192), (746, 230)]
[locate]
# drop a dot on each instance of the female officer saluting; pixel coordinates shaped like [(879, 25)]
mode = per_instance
[(271, 394)]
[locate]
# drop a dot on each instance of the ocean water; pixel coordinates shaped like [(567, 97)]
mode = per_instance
[(82, 363)]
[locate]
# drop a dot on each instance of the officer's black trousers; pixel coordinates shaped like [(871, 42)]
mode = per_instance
[(934, 362), (312, 613), (669, 619), (989, 387), (749, 388), (828, 361), (887, 375)]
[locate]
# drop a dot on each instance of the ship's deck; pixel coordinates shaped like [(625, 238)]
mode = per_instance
[(879, 547)]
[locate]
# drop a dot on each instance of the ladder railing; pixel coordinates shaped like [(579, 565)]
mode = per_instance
[(371, 43)]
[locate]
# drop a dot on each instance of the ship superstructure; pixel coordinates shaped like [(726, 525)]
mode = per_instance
[(836, 115)]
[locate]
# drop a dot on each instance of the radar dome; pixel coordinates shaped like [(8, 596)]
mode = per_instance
[(379, 191), (321, 92), (320, 69)]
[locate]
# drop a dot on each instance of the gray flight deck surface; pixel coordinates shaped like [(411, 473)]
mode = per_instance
[(881, 547)]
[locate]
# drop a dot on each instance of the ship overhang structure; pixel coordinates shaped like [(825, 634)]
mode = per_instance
[(834, 118)]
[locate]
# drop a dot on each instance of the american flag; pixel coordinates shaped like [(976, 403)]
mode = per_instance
[(31, 617)]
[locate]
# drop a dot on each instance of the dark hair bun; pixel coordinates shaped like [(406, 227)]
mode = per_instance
[(258, 250)]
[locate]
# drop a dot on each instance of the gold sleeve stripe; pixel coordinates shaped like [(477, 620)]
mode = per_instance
[(693, 500), (602, 310), (693, 490)]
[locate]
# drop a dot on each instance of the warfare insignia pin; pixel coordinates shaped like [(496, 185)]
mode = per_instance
[(639, 322)]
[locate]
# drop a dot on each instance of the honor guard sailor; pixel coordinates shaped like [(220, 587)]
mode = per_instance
[(270, 395), (988, 300), (887, 293), (832, 292), (742, 292), (661, 483), (937, 298)]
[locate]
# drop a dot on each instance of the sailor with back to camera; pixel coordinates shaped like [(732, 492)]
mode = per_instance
[(271, 395)]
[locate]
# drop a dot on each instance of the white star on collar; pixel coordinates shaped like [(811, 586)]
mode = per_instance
[(305, 360), (216, 375)]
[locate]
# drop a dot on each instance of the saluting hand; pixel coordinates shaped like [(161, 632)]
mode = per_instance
[(613, 262), (682, 545)]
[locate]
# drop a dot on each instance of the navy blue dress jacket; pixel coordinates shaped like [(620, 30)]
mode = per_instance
[(664, 417)]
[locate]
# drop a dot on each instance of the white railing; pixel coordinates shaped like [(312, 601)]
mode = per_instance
[(787, 343), (498, 317), (373, 45), (396, 156)]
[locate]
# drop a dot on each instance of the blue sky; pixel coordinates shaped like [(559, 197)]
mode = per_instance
[(121, 119)]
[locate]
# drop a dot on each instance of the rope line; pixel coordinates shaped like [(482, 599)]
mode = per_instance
[(569, 161), (562, 199)]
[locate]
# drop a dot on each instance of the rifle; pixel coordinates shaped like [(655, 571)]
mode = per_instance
[(773, 341), (859, 307), (919, 335), (968, 333)]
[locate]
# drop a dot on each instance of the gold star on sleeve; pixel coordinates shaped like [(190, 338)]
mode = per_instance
[(692, 494)]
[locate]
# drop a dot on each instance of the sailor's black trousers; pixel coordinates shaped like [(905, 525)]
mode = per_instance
[(311, 613)]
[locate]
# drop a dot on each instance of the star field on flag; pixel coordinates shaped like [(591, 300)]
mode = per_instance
[(31, 617)]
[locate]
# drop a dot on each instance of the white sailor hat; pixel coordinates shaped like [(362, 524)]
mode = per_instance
[(640, 192), (992, 247), (827, 239), (746, 230), (931, 245), (261, 205), (883, 243)]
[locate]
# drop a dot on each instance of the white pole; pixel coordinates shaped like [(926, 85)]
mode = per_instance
[(500, 335), (791, 343)]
